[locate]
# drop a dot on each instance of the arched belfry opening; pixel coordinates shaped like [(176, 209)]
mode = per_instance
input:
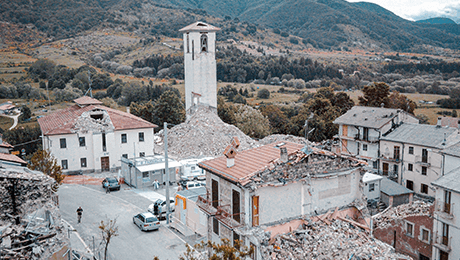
[(204, 42)]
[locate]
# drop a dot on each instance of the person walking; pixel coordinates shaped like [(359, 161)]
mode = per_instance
[(79, 214), (156, 184)]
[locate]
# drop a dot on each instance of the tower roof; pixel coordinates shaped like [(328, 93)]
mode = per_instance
[(199, 27)]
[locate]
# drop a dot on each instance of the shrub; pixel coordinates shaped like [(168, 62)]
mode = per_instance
[(263, 93)]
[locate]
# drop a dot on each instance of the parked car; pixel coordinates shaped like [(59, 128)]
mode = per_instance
[(159, 207), (192, 184), (111, 182), (146, 221)]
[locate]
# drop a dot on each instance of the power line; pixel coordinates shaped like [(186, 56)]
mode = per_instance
[(27, 142)]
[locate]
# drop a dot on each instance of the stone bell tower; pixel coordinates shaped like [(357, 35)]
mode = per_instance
[(200, 65)]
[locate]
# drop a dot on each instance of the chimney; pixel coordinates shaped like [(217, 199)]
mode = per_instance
[(438, 124), (128, 110), (283, 155), (230, 153)]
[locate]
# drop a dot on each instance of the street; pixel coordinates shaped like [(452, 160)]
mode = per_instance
[(120, 205)]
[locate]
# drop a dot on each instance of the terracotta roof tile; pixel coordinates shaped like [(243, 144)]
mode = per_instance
[(6, 145), (11, 158), (248, 162), (85, 100), (63, 121)]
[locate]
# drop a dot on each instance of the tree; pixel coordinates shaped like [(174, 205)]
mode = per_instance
[(109, 230), (251, 122), (25, 113), (263, 93), (169, 108), (279, 122), (218, 251), (454, 113), (423, 119), (400, 101), (226, 112), (43, 161), (375, 95)]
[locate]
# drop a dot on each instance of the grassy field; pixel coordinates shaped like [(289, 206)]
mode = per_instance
[(6, 122)]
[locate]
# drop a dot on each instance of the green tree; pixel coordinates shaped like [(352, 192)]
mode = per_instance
[(251, 122), (43, 161), (375, 95), (226, 112), (279, 123), (400, 101), (145, 111), (42, 68), (169, 108), (263, 93), (25, 113)]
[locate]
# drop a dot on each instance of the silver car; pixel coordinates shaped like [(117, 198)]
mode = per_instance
[(146, 221)]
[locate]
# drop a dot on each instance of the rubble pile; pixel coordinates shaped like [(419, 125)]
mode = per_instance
[(203, 134), (416, 208), (337, 240), (30, 222), (279, 137)]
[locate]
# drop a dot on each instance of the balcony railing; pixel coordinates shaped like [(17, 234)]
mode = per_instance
[(390, 159), (442, 242), (206, 205), (423, 161), (220, 213), (370, 139)]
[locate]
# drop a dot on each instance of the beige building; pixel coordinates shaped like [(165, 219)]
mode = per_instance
[(274, 183), (88, 136), (361, 128), (412, 154)]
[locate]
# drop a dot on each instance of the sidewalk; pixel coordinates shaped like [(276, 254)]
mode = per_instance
[(76, 242)]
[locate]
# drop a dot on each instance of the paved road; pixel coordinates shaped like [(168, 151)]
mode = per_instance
[(122, 205)]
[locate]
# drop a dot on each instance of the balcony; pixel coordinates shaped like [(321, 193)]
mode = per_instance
[(390, 159), (422, 160), (392, 175), (444, 210), (370, 139), (221, 212)]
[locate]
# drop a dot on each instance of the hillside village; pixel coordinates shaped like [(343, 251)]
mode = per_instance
[(385, 187)]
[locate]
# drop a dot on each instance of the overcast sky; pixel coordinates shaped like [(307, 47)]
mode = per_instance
[(420, 9)]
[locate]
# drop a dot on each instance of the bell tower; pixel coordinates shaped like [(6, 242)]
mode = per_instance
[(200, 65)]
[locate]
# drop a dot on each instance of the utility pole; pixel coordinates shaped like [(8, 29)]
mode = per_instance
[(167, 172)]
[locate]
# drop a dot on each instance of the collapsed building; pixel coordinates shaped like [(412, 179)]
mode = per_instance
[(30, 221), (408, 228), (274, 184)]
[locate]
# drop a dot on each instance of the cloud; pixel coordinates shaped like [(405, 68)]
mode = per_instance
[(449, 10)]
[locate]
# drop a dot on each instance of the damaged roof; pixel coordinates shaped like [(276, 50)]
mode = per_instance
[(63, 121), (392, 188), (200, 27), (249, 163), (12, 158), (424, 135), (371, 117)]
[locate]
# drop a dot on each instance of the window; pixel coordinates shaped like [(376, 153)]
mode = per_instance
[(104, 143), (396, 153), (82, 141), (215, 226), (145, 174), (423, 170), (410, 167), (365, 133), (411, 150), (447, 197), (83, 162), (204, 43), (188, 43), (63, 143), (409, 229), (410, 185), (64, 164), (215, 193), (424, 155), (375, 164), (395, 169), (141, 136), (125, 155), (124, 139), (424, 189), (445, 234), (371, 187), (425, 235), (364, 147), (141, 154)]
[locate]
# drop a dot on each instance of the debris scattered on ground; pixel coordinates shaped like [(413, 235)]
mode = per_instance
[(336, 240), (30, 221), (416, 208)]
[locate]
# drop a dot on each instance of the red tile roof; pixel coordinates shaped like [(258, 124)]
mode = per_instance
[(6, 145), (63, 121), (11, 158), (85, 100), (248, 162)]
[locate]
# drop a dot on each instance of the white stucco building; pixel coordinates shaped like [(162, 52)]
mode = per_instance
[(372, 184), (88, 136), (200, 65), (446, 232), (361, 128), (276, 182), (412, 152)]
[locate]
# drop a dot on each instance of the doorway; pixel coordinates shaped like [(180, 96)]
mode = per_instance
[(105, 164)]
